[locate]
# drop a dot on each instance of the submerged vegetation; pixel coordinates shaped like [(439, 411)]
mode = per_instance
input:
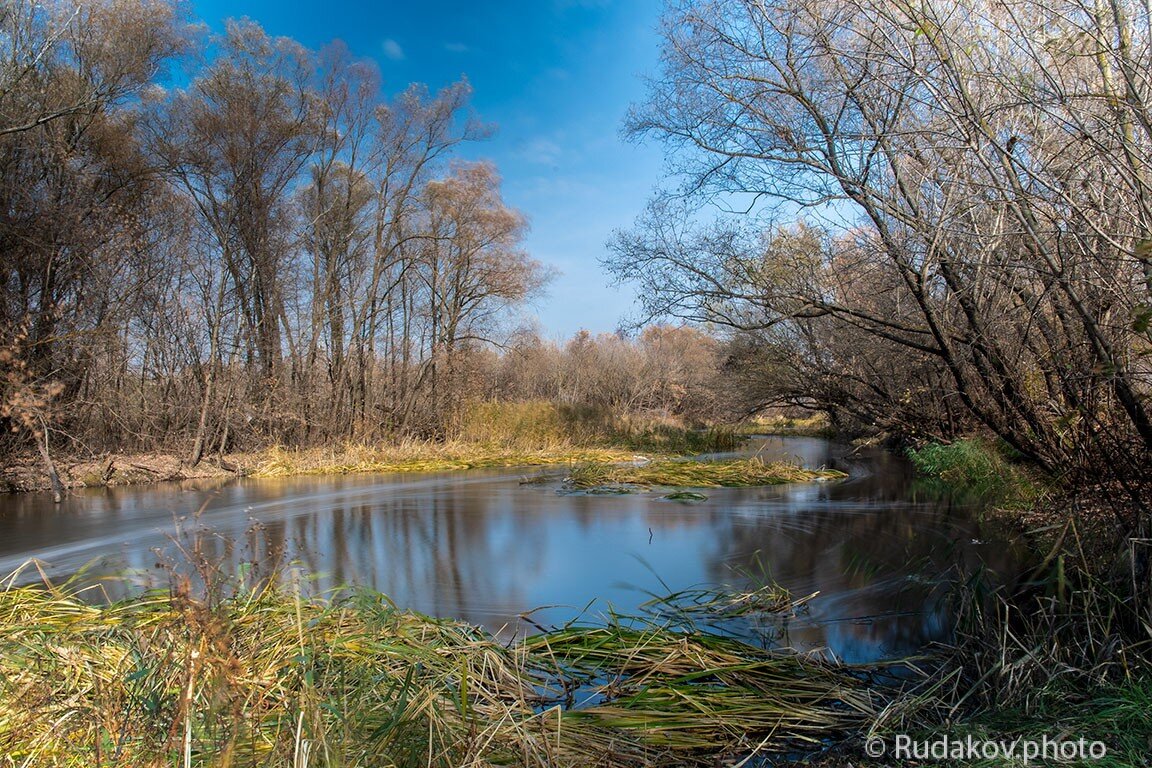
[(267, 677), (731, 473)]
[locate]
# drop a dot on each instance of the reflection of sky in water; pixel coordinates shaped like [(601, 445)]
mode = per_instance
[(481, 547)]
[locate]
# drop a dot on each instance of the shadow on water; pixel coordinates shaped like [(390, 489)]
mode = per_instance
[(481, 547)]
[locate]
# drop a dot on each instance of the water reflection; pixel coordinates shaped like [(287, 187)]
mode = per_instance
[(481, 547)]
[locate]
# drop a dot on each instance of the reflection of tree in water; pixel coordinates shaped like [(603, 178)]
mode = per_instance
[(481, 548), (879, 561), (434, 553), (464, 552)]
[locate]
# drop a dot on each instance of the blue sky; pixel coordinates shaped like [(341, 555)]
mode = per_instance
[(556, 76)]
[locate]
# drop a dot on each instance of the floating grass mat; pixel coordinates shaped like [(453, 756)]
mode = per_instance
[(279, 462), (714, 604), (698, 694), (731, 473), (271, 678)]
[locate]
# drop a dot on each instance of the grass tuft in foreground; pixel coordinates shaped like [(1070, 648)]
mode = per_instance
[(270, 678), (733, 473)]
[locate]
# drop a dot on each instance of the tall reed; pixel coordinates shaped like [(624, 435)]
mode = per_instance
[(271, 677)]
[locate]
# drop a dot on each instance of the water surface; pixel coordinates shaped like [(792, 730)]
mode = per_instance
[(482, 547)]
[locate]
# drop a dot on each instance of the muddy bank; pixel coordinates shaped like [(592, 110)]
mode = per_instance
[(28, 473)]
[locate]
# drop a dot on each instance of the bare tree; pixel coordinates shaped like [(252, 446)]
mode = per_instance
[(75, 187), (272, 252), (62, 58), (979, 166), (235, 141), (471, 269)]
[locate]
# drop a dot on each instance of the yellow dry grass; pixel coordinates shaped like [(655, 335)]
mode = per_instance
[(420, 457)]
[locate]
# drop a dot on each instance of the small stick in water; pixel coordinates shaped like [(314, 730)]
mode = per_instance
[(53, 477)]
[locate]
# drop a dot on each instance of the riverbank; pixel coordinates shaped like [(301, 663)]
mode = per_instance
[(530, 433), (1064, 655), (270, 678), (28, 473)]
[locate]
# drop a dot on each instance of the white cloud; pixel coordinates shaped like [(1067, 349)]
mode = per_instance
[(456, 48), (392, 49), (541, 150)]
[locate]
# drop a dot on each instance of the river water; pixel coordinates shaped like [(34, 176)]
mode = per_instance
[(483, 547)]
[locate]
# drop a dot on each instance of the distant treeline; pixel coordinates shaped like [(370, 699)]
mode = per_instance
[(219, 241)]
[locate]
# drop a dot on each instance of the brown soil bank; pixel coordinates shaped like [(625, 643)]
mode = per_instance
[(28, 473)]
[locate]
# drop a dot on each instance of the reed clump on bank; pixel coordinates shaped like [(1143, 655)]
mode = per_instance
[(732, 473), (812, 425), (268, 677), (1063, 655), (978, 466), (548, 424), (1063, 651)]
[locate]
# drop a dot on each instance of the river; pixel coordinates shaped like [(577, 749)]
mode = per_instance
[(481, 546)]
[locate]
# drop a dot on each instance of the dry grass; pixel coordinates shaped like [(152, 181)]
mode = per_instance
[(522, 434), (414, 456), (497, 434), (270, 678), (734, 473), (814, 425), (537, 424)]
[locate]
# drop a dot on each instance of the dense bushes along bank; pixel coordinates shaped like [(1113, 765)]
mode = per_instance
[(1067, 650)]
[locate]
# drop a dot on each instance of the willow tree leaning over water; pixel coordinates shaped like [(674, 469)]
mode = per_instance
[(984, 167)]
